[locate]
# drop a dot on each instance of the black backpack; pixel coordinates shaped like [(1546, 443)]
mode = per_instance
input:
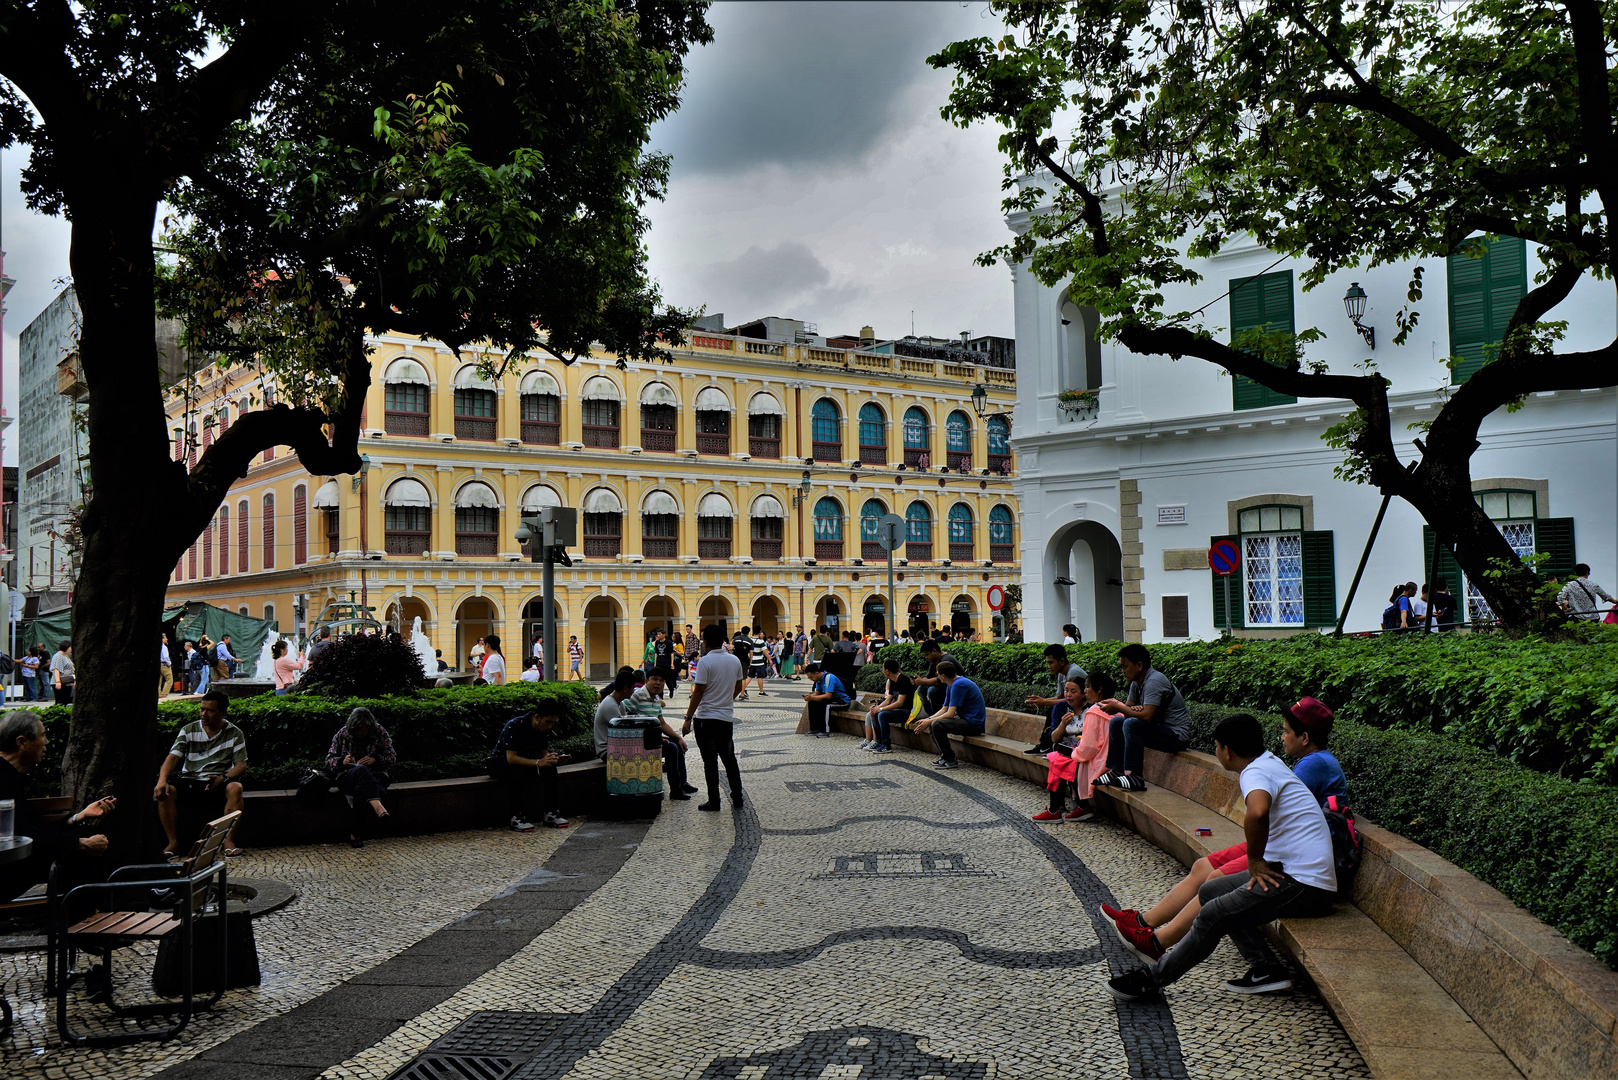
[(1346, 846), (1390, 617)]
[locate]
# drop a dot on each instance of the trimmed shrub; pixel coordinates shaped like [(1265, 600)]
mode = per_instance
[(363, 666), (437, 733), (1550, 705)]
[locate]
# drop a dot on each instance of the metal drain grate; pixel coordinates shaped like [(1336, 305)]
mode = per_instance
[(458, 1067)]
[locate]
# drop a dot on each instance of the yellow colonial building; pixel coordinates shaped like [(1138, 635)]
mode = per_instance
[(739, 484)]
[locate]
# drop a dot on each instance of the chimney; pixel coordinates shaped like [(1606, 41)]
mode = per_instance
[(867, 335)]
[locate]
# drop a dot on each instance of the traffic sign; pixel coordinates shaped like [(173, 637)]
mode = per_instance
[(890, 531), (996, 597), (1223, 558)]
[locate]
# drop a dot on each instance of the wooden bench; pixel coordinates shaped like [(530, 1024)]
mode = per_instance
[(191, 882)]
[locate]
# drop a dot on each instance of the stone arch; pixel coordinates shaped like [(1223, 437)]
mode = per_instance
[(1088, 554), (1080, 348)]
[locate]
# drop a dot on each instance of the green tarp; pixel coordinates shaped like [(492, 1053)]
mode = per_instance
[(191, 620)]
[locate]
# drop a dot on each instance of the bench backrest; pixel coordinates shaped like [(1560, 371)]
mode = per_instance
[(206, 852)]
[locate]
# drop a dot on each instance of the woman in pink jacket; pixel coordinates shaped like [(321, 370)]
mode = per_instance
[(1081, 753)]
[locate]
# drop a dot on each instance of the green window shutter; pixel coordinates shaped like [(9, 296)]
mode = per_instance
[(1238, 602), (1553, 537), (1445, 565), (1265, 300), (1483, 295), (1319, 579)]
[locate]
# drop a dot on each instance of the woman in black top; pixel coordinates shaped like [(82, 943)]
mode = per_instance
[(894, 708)]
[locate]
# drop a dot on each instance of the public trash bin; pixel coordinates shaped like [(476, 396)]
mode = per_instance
[(634, 766)]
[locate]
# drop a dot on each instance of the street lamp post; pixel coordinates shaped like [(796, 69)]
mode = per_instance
[(557, 528)]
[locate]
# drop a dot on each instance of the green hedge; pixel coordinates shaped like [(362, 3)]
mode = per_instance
[(437, 733), (1550, 705)]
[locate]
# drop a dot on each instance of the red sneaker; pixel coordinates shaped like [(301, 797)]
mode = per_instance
[(1048, 815), (1123, 916), (1080, 812), (1139, 940)]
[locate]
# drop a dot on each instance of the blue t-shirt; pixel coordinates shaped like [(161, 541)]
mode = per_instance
[(1322, 775), (831, 684), (964, 694)]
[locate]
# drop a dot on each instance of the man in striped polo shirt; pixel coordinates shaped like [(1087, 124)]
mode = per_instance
[(202, 771)]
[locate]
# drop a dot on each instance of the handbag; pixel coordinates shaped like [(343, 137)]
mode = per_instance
[(314, 787)]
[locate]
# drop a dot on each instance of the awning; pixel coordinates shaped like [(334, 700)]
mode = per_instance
[(715, 505), (476, 494), (600, 389), (327, 497), (765, 404), (538, 498), (658, 394), (407, 492), (602, 501), (539, 382), (405, 370), (767, 506), (712, 399), (659, 502), (470, 378)]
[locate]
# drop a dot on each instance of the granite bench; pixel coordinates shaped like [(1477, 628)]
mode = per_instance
[(1432, 973)]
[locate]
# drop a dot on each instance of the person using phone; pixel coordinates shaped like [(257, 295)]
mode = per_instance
[(525, 768)]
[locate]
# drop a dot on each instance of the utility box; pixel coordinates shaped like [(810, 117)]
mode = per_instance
[(559, 526)]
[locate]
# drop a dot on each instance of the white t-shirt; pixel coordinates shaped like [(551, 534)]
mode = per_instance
[(1299, 838), (494, 664), (539, 650), (718, 675), (529, 675)]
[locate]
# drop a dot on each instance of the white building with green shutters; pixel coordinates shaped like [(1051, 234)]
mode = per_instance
[(1131, 466)]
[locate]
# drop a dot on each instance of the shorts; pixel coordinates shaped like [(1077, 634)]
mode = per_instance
[(756, 671), (1234, 854), (575, 665)]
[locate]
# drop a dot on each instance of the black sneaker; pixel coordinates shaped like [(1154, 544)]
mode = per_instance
[(1037, 750), (691, 789), (1130, 782), (1134, 985), (714, 805), (1259, 981)]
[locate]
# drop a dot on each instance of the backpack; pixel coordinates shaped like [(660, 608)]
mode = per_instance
[(1346, 845), (1390, 617)]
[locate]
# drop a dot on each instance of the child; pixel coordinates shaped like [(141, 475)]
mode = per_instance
[(1081, 752)]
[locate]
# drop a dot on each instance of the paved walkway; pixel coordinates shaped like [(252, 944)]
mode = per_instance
[(860, 915)]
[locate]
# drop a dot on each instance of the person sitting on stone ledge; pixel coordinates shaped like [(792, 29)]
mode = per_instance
[(647, 700), (1154, 716), (824, 698), (1057, 663), (203, 770), (898, 701), (525, 768), (963, 713), (359, 759), (1291, 872), (1082, 747), (1305, 732)]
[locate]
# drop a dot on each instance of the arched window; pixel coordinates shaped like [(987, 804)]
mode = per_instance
[(474, 405), (917, 445), (958, 440), (598, 408), (826, 431), (659, 406), (713, 421), (328, 501), (300, 525), (407, 517), (224, 540), (767, 516), (659, 526), (828, 529), (242, 535), (477, 520), (715, 518), (764, 414), (960, 533), (269, 532), (873, 434), (541, 403), (191, 562), (1002, 545), (999, 444), (603, 523), (871, 513), (207, 551), (404, 398), (918, 532)]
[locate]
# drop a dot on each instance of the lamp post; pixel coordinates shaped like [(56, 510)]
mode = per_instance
[(558, 529), (365, 547), (1354, 305), (980, 401)]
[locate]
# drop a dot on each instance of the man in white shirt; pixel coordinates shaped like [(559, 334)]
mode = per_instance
[(165, 669), (1291, 872), (711, 711)]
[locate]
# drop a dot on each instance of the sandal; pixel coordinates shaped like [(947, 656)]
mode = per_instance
[(234, 852)]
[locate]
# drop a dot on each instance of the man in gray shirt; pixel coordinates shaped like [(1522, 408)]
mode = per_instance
[(1057, 663), (612, 707), (1153, 716)]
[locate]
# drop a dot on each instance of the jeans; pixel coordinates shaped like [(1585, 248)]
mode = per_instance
[(203, 675), (28, 691), (1130, 736), (716, 740), (527, 793), (1229, 907), (674, 766), (941, 730), (884, 721)]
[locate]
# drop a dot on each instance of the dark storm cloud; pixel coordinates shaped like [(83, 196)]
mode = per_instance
[(784, 280), (795, 84)]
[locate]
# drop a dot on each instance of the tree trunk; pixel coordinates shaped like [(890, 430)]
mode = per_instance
[(130, 530)]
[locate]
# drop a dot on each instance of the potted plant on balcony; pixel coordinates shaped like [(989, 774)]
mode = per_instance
[(1079, 404)]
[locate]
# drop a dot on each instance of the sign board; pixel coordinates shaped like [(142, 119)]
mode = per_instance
[(1224, 558), (1171, 515), (996, 597), (890, 531)]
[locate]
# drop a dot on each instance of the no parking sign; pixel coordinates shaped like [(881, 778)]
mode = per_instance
[(1223, 558), (996, 597)]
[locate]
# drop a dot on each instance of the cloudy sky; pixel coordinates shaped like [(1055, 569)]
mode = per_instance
[(812, 179)]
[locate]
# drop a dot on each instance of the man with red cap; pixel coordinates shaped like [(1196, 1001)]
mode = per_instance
[(1305, 731)]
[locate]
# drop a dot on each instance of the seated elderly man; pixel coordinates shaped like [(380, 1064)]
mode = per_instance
[(22, 746), (202, 772)]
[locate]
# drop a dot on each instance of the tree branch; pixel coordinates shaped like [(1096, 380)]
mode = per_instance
[(1176, 341), (1093, 217), (34, 55), (1595, 103)]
